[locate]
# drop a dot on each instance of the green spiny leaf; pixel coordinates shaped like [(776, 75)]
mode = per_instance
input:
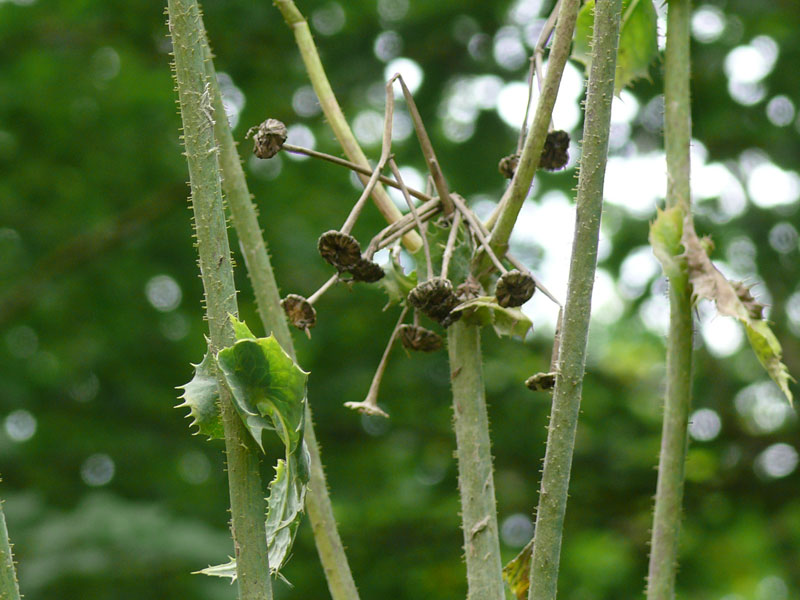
[(485, 310), (268, 388), (665, 238), (201, 396), (638, 40)]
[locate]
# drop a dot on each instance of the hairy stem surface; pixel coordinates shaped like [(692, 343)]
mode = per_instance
[(216, 269), (678, 399), (9, 588), (475, 479), (245, 220), (572, 356)]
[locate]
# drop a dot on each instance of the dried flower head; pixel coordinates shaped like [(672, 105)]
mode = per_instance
[(367, 271), (435, 298), (269, 138), (339, 249), (554, 153), (299, 312), (514, 288), (541, 382), (508, 165), (414, 337)]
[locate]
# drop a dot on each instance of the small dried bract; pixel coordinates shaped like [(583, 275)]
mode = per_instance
[(299, 312), (508, 165), (436, 299), (366, 271), (414, 337), (269, 138), (514, 289), (541, 382), (339, 249), (470, 289), (554, 153)]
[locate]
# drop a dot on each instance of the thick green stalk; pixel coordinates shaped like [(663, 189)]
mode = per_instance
[(9, 588), (333, 113), (475, 479), (517, 191), (678, 399), (572, 356), (216, 269), (245, 220)]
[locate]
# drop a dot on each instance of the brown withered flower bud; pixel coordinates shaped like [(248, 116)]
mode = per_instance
[(339, 249), (554, 153), (435, 298), (269, 138), (541, 382), (414, 337), (514, 288), (366, 271), (299, 312), (508, 165)]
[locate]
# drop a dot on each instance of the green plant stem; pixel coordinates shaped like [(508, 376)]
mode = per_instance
[(245, 220), (572, 356), (678, 398), (333, 113), (9, 588), (517, 191), (216, 269), (475, 479)]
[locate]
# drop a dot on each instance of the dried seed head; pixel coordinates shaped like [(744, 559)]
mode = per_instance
[(436, 299), (339, 249), (367, 271), (414, 337), (755, 309), (367, 408), (508, 165), (541, 382), (269, 138), (514, 289), (554, 153), (299, 312), (470, 289)]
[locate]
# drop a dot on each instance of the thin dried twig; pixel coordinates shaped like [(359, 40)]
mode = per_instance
[(412, 208)]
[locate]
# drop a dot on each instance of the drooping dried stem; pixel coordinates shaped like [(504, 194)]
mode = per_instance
[(413, 210), (323, 288), (369, 405), (425, 197), (536, 70), (451, 244), (472, 221)]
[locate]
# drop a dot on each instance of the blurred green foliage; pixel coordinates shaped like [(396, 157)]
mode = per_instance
[(109, 496)]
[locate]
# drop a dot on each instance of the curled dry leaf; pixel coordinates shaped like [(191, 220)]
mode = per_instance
[(514, 289), (674, 241), (414, 337), (269, 138), (339, 249), (299, 312), (435, 298), (555, 152)]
